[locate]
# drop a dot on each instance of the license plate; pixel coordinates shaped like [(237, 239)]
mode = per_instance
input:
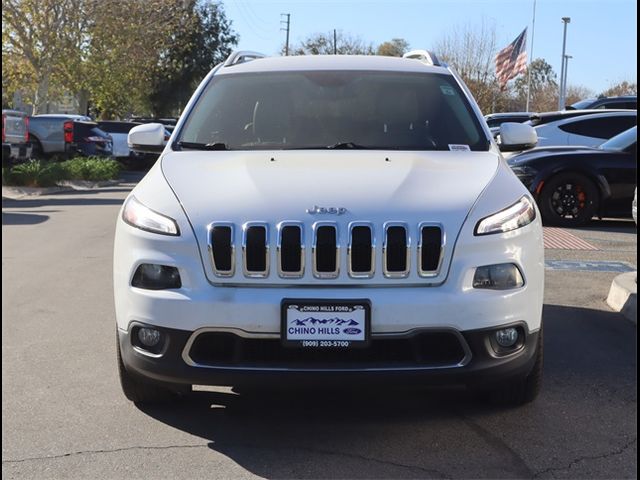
[(326, 323)]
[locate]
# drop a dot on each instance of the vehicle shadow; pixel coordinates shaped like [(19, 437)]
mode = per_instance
[(23, 218), (82, 198), (414, 433), (610, 225)]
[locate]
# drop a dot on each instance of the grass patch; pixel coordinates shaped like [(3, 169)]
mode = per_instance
[(38, 173)]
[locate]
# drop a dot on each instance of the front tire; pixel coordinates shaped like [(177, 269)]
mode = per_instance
[(569, 200), (141, 391)]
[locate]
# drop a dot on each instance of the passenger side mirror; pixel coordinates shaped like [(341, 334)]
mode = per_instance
[(517, 136), (147, 138)]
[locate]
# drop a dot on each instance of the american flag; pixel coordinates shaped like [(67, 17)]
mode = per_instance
[(512, 60)]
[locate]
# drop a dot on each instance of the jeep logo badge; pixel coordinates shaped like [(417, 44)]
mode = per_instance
[(326, 210)]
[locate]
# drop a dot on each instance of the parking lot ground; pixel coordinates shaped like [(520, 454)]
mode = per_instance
[(63, 415)]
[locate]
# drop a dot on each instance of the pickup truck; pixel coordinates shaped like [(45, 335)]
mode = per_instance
[(15, 136), (53, 134)]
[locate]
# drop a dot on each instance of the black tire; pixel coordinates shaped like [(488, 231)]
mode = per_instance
[(36, 149), (521, 391), (569, 200), (141, 391)]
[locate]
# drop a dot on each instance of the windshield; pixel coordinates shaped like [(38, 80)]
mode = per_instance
[(581, 105), (622, 141), (321, 109)]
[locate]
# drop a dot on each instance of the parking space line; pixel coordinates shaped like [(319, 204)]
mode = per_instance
[(558, 238)]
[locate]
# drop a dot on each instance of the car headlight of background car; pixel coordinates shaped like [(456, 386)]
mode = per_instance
[(525, 174), (139, 216), (518, 215)]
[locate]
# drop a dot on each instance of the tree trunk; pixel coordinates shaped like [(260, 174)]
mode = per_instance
[(41, 100)]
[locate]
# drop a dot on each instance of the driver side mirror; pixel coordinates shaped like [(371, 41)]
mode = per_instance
[(147, 138), (517, 136)]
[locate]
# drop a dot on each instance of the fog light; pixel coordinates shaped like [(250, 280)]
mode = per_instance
[(507, 337), (503, 276), (156, 277), (149, 337)]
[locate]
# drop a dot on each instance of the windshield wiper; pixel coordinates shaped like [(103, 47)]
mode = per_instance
[(346, 146), (204, 146)]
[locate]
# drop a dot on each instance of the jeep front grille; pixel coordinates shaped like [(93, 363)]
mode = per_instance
[(400, 253)]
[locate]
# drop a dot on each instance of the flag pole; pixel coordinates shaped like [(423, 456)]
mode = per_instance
[(533, 32)]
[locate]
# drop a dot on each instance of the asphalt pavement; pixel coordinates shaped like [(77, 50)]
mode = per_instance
[(64, 416)]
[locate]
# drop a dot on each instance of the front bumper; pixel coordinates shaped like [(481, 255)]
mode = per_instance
[(17, 152), (481, 366)]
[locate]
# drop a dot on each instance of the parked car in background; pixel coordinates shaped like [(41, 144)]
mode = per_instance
[(573, 184), (585, 130), (497, 119), (47, 134), (169, 123), (606, 103), (15, 137), (87, 139), (118, 131)]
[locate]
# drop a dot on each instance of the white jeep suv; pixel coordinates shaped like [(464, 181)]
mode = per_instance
[(328, 219)]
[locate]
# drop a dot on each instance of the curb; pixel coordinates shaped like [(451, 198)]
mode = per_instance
[(623, 295), (14, 193)]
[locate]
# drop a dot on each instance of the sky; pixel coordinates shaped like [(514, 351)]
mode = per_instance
[(601, 37)]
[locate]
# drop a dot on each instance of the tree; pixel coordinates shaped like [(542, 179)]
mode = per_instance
[(575, 93), (123, 52), (394, 48), (323, 44), (42, 44), (621, 88), (204, 40), (544, 89), (471, 51)]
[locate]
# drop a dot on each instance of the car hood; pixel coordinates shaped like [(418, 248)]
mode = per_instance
[(373, 186), (539, 152)]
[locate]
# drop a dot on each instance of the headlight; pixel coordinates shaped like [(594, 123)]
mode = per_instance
[(139, 216), (517, 215)]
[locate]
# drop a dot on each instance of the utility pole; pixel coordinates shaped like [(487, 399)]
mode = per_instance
[(566, 75), (335, 42), (286, 22), (566, 21), (533, 32)]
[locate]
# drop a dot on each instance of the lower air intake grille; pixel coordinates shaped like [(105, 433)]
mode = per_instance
[(433, 349)]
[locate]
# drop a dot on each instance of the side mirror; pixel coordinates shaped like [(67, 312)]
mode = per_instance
[(517, 136), (147, 138)]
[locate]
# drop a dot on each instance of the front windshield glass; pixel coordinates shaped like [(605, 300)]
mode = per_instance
[(320, 109), (622, 141), (581, 105)]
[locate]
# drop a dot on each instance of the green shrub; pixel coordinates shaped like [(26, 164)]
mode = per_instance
[(38, 173), (35, 173), (94, 169)]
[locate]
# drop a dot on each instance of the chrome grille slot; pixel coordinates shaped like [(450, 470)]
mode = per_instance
[(326, 251), (221, 249), (361, 250), (396, 251), (430, 249), (290, 250), (414, 252), (255, 249)]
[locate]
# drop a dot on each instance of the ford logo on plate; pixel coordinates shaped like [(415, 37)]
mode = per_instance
[(352, 331)]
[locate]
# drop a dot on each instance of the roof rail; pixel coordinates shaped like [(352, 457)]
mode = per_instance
[(241, 57), (424, 56)]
